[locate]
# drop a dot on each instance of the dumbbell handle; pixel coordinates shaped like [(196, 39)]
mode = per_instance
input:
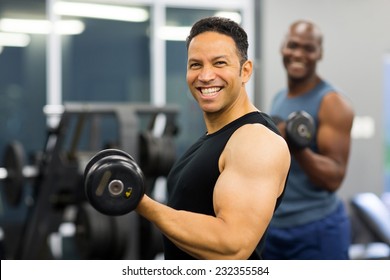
[(28, 171)]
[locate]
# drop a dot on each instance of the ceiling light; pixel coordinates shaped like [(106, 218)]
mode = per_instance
[(234, 16), (14, 39), (180, 33), (174, 33), (101, 11), (64, 27), (69, 27)]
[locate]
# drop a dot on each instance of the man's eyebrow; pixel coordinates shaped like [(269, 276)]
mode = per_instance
[(214, 58), (193, 59), (220, 57)]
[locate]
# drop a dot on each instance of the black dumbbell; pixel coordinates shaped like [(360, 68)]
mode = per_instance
[(300, 129), (114, 183)]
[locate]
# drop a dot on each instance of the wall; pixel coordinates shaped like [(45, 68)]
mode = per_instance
[(355, 41)]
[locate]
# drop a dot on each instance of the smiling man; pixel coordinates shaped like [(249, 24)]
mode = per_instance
[(311, 223), (225, 188)]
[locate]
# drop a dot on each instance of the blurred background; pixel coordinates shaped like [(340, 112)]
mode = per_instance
[(123, 64)]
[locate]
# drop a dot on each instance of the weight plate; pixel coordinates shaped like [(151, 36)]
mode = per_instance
[(102, 154), (14, 163), (300, 129), (114, 169), (94, 233), (157, 154), (123, 234)]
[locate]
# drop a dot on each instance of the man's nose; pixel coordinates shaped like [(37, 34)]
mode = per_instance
[(206, 74), (298, 52)]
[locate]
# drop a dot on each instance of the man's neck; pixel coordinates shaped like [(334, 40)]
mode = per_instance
[(215, 121), (300, 87)]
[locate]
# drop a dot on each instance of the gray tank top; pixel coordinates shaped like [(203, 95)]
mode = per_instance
[(303, 201)]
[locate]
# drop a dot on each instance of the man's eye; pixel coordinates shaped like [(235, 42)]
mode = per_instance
[(309, 49), (194, 65), (220, 63), (292, 46)]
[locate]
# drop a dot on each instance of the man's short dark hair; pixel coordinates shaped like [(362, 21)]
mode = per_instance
[(224, 26)]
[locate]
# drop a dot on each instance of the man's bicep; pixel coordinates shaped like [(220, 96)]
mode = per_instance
[(244, 206), (247, 187), (333, 140)]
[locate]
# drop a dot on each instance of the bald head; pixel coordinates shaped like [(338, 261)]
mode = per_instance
[(306, 29)]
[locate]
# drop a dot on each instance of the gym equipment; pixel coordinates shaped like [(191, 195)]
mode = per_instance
[(99, 236), (84, 129), (114, 183), (15, 172), (157, 154), (300, 129), (374, 214)]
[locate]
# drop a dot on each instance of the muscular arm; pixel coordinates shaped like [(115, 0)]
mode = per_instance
[(252, 176), (328, 167)]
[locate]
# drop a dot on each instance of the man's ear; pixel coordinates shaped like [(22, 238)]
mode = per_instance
[(246, 70), (282, 46), (281, 49), (321, 54)]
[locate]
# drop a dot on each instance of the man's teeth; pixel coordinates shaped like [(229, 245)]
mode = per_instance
[(297, 64), (210, 90)]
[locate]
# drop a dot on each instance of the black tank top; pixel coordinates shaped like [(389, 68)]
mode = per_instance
[(192, 179)]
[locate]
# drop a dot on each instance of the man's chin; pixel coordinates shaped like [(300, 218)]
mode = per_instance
[(296, 78)]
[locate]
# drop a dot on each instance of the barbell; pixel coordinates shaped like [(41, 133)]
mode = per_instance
[(14, 172)]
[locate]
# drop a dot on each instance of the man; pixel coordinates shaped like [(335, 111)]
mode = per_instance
[(223, 191), (311, 223)]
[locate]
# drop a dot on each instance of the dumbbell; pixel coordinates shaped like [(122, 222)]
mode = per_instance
[(300, 128), (113, 182), (15, 172)]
